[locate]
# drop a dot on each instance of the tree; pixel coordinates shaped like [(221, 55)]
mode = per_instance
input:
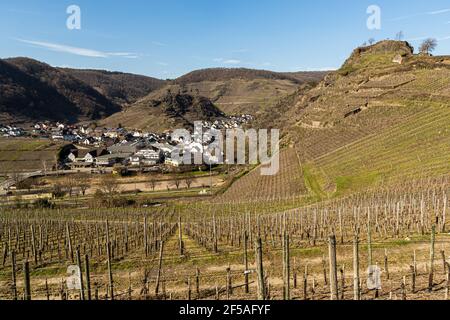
[(2, 169), (399, 36), (44, 167), (26, 184), (16, 178), (371, 41), (428, 46), (58, 191), (177, 182), (70, 185), (188, 181), (153, 183), (83, 182), (109, 185)]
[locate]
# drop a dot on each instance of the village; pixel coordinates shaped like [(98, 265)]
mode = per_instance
[(89, 148)]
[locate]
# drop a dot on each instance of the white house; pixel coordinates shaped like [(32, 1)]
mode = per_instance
[(173, 162)]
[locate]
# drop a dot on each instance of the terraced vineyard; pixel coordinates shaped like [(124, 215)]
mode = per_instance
[(417, 148), (288, 183), (27, 154)]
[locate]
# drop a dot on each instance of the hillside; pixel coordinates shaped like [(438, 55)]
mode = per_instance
[(121, 88), (224, 74), (238, 91), (165, 110), (376, 121), (24, 154), (24, 98), (372, 123), (32, 91)]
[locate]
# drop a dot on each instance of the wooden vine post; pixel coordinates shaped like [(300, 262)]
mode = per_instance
[(247, 289), (356, 288), (260, 270), (13, 272), (180, 237), (88, 277), (110, 275), (286, 267), (215, 249), (431, 265), (333, 267), (81, 274), (26, 280), (158, 275)]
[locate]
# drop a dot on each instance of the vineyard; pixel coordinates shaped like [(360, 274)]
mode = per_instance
[(287, 183), (358, 210), (218, 251)]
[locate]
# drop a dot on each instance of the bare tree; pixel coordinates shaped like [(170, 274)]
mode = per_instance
[(2, 169), (26, 184), (371, 41), (153, 183), (83, 182), (58, 191), (188, 181), (177, 182), (109, 185), (400, 36), (16, 178), (69, 185), (44, 167), (428, 46)]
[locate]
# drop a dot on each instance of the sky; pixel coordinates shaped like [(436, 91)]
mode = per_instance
[(166, 39)]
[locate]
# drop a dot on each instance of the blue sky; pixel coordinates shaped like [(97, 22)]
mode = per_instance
[(166, 39)]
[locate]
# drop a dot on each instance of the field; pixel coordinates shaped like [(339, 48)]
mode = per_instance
[(416, 148), (288, 183), (25, 154), (159, 254)]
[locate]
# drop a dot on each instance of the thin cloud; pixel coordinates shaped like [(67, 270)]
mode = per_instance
[(240, 51), (431, 13), (315, 69), (159, 44), (438, 11), (232, 61), (78, 51), (25, 12), (443, 38), (417, 39), (406, 17), (227, 61)]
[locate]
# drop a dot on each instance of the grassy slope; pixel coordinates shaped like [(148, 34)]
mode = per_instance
[(414, 149), (402, 132), (26, 154)]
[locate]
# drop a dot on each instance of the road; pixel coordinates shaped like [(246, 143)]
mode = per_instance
[(8, 183)]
